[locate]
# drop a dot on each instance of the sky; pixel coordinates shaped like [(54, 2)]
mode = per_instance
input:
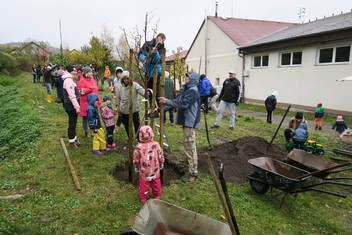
[(179, 20)]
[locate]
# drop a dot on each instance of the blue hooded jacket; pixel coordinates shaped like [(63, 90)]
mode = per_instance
[(205, 85), (301, 133), (92, 112), (187, 103)]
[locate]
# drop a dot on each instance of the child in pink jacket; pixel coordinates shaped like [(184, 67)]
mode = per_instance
[(107, 114), (148, 160)]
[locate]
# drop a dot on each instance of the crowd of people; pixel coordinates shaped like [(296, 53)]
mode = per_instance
[(78, 91), (81, 98)]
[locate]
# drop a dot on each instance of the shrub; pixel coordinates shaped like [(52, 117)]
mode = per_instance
[(8, 64)]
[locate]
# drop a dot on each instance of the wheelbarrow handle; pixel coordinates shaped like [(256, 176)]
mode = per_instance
[(325, 170)]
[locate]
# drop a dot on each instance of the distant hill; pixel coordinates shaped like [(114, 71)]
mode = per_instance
[(53, 50)]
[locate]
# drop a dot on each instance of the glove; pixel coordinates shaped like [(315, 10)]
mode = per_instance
[(161, 166), (95, 131), (136, 169)]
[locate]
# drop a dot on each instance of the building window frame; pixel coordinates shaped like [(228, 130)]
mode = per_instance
[(289, 59), (334, 55), (260, 61)]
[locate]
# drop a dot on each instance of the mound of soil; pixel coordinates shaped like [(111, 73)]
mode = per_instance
[(234, 155)]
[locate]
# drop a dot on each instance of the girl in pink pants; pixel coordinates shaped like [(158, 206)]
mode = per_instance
[(148, 160)]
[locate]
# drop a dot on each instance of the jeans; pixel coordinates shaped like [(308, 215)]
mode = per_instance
[(232, 109), (48, 87)]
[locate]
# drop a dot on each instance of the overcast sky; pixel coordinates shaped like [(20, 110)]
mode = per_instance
[(180, 20)]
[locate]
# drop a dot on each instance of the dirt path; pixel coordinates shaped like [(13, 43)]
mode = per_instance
[(276, 119)]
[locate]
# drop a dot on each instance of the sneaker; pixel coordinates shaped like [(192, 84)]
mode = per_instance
[(320, 128), (107, 150), (73, 145), (109, 145), (231, 128), (215, 126), (97, 152), (78, 143), (190, 179), (113, 145)]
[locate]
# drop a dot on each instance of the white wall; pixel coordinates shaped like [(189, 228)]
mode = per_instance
[(222, 54), (308, 84)]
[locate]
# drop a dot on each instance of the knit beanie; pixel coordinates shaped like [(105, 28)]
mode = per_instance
[(299, 115), (86, 70), (105, 99)]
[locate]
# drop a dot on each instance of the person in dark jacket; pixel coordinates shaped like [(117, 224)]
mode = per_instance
[(300, 136), (188, 115), (340, 126), (270, 105), (229, 98), (34, 73), (71, 101), (204, 91), (151, 56), (39, 73), (48, 79), (170, 93)]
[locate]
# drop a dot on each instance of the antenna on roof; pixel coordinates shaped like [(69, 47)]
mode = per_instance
[(302, 11), (216, 9)]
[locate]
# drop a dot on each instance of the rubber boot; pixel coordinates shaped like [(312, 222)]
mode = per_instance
[(48, 98), (51, 99)]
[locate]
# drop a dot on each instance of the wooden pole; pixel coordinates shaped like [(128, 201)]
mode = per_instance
[(130, 122), (277, 129), (155, 79), (72, 169), (221, 197), (162, 114)]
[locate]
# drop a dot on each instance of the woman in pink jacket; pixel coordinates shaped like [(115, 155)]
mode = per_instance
[(86, 86), (148, 160)]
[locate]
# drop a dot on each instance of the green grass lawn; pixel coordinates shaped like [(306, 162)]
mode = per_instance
[(34, 166)]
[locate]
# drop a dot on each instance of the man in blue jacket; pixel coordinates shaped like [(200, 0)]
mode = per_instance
[(188, 115), (204, 91)]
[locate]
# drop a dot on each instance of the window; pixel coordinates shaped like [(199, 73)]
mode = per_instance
[(291, 58), (334, 55), (261, 61)]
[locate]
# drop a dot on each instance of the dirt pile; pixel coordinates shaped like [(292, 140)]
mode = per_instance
[(234, 155)]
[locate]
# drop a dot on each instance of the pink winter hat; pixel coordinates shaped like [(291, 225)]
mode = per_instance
[(339, 118)]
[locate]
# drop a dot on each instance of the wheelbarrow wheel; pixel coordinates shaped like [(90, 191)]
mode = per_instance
[(258, 186)]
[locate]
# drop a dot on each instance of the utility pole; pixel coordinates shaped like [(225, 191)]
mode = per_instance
[(61, 51)]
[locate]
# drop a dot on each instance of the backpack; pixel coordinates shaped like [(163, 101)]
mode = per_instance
[(212, 91)]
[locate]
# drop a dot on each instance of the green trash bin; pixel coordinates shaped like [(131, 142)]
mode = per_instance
[(159, 217)]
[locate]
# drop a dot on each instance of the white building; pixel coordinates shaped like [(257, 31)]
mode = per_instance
[(303, 63), (214, 50)]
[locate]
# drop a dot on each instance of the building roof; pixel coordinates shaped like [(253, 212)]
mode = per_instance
[(323, 26), (244, 31), (172, 57)]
